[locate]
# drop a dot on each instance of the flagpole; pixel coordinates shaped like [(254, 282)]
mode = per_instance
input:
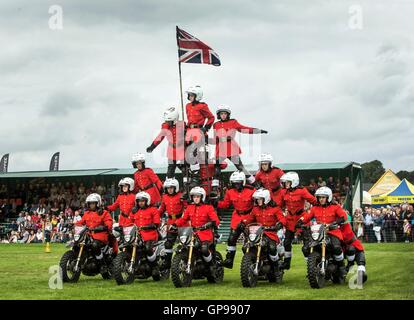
[(179, 72)]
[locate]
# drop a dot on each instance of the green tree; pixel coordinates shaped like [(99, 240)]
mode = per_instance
[(373, 170), (403, 174)]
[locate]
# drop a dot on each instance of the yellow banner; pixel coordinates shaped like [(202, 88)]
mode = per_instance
[(392, 199)]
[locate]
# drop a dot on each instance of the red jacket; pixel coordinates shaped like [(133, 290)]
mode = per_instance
[(198, 113), (176, 139), (242, 203), (349, 237), (326, 215), (144, 217), (174, 206), (207, 173), (125, 203), (271, 181), (196, 116), (92, 219), (267, 217), (224, 134), (146, 180), (294, 201), (199, 215)]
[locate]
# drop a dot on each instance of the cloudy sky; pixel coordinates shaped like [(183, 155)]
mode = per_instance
[(327, 85)]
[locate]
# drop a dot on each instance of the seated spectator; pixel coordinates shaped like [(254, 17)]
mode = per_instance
[(25, 237), (321, 182), (312, 186), (407, 230)]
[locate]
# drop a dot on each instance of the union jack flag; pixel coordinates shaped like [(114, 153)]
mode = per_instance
[(192, 50)]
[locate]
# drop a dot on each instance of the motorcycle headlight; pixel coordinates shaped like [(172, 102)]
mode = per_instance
[(315, 236), (252, 237), (183, 239), (127, 237), (76, 237)]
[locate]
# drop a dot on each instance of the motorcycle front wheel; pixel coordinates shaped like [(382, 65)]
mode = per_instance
[(121, 272), (179, 275), (315, 277), (247, 275), (67, 267)]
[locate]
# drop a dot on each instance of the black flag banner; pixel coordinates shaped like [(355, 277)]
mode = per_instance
[(4, 163), (54, 162)]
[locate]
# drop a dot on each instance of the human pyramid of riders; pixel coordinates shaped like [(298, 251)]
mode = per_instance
[(268, 209)]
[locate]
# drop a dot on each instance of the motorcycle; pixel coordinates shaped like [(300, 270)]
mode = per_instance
[(320, 265), (255, 264), (132, 262), (82, 259), (188, 263)]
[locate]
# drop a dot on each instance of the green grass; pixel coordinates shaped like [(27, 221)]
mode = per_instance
[(24, 274)]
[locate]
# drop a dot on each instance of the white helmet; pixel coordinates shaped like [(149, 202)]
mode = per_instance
[(127, 181), (223, 108), (197, 91), (238, 176), (198, 191), (138, 157), (262, 193), (94, 197), (171, 114), (143, 195), (265, 157), (171, 182), (324, 192), (291, 176)]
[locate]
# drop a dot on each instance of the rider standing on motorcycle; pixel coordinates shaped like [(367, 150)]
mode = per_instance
[(268, 177), (146, 180), (240, 197), (125, 201), (200, 120), (174, 131), (174, 205), (199, 214), (269, 217), (99, 223), (226, 147), (324, 212), (147, 219), (292, 198), (354, 250)]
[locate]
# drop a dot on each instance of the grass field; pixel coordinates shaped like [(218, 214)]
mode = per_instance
[(24, 274)]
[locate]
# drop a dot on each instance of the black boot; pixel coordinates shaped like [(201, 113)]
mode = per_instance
[(167, 261), (228, 263), (349, 265), (286, 263), (341, 271)]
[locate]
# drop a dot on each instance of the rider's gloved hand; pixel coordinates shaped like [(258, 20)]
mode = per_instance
[(279, 226), (241, 226), (299, 224)]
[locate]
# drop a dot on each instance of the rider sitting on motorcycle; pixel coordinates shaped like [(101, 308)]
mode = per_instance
[(324, 212), (174, 205), (199, 214), (147, 219), (268, 216), (240, 197), (125, 201), (99, 223)]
